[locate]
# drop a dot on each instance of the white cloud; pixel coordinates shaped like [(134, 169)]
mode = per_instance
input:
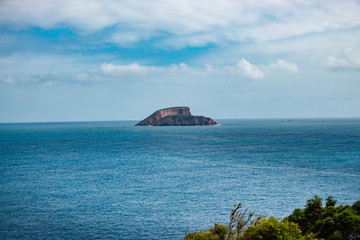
[(250, 70), (135, 70), (126, 70), (284, 65), (349, 59), (8, 80), (185, 23), (334, 62), (40, 68), (243, 69)]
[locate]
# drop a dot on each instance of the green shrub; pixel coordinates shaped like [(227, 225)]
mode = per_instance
[(330, 222), (218, 232), (313, 222), (274, 229)]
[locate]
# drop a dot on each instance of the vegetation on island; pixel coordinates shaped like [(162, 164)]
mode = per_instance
[(313, 222)]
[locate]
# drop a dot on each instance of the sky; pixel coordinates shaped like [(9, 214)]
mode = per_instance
[(106, 60)]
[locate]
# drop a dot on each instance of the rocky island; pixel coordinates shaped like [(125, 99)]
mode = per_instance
[(175, 116)]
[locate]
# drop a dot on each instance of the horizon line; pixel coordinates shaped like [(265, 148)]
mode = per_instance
[(132, 120)]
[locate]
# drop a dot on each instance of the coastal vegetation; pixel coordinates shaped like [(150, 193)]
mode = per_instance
[(315, 221)]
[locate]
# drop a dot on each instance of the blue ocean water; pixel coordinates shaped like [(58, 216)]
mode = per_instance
[(113, 180)]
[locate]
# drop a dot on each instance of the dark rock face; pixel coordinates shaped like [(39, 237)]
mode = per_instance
[(175, 116)]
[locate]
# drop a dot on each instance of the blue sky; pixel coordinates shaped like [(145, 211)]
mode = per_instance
[(121, 60)]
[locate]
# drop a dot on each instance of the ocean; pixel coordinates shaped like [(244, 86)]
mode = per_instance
[(112, 180)]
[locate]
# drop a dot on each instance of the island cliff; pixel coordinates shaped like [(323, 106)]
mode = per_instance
[(175, 116)]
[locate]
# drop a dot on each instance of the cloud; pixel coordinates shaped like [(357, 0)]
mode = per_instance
[(136, 71), (48, 79), (349, 59), (8, 80), (243, 69), (257, 72), (284, 65), (127, 70), (184, 23), (250, 70), (58, 69)]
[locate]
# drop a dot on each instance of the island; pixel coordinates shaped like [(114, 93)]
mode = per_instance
[(175, 116)]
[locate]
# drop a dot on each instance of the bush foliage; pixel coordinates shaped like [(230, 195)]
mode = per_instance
[(329, 222), (313, 222)]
